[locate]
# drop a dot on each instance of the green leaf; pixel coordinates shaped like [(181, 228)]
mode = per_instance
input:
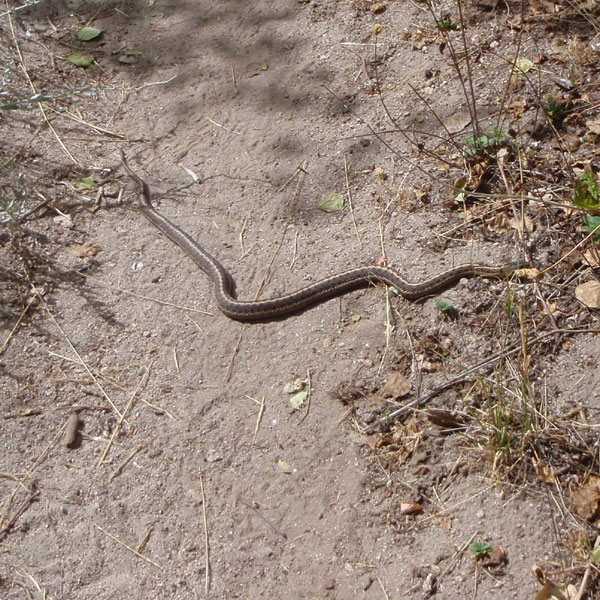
[(133, 53), (88, 33), (332, 202), (585, 192), (590, 224), (81, 60), (523, 64), (443, 305), (297, 399), (84, 184), (298, 392), (151, 3), (479, 549), (595, 555)]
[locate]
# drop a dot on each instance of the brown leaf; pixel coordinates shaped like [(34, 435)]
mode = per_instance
[(529, 273), (544, 472), (550, 590), (588, 294), (593, 125), (499, 223), (410, 508), (526, 222), (85, 250), (591, 258), (495, 557), (380, 173), (586, 499), (396, 386), (444, 418)]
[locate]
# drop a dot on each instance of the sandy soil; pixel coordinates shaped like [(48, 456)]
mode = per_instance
[(242, 116)]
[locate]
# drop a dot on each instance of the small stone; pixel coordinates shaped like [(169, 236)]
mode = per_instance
[(329, 584)]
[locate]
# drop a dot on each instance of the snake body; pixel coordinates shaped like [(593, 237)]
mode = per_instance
[(315, 293)]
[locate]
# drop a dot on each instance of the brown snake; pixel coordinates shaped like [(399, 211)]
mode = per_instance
[(315, 293)]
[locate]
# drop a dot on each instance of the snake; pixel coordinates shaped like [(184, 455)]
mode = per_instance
[(324, 289)]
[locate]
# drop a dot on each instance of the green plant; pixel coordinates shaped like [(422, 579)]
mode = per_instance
[(446, 23), (479, 549), (501, 422), (554, 110), (592, 225), (489, 140), (585, 192)]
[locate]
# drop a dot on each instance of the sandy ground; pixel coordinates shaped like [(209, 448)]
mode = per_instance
[(242, 116)]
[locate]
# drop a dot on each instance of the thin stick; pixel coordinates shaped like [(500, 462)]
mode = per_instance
[(132, 550), (233, 78), (176, 361), (261, 412), (16, 325), (573, 249), (206, 545), (120, 468), (35, 464), (22, 508), (222, 126), (258, 292), (90, 125), (349, 194), (127, 408), (74, 350), (31, 84), (383, 588), (301, 169), (419, 402), (295, 251), (144, 540), (308, 395), (136, 295), (242, 231), (273, 527)]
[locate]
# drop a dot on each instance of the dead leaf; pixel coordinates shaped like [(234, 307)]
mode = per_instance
[(591, 258), (64, 221), (396, 386), (550, 590), (377, 7), (588, 294), (526, 222), (499, 223), (544, 472), (458, 121), (284, 466), (410, 508), (380, 173), (422, 194), (529, 273), (444, 418), (85, 250), (586, 499), (298, 391), (593, 125), (495, 557)]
